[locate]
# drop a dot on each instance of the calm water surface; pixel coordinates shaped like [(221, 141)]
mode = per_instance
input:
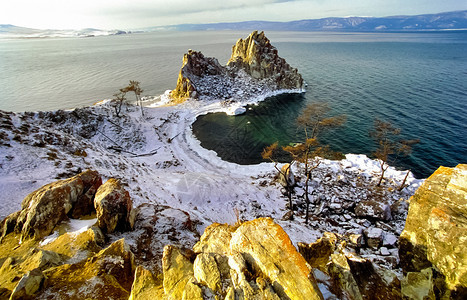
[(418, 81)]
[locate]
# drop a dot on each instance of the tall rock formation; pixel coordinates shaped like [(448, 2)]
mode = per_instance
[(254, 68), (258, 58), (434, 241)]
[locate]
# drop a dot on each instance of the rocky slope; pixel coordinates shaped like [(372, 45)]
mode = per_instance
[(252, 260), (177, 188), (248, 260), (254, 68)]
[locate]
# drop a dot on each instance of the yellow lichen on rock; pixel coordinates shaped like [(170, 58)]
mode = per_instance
[(108, 274), (71, 244), (146, 286), (215, 239), (436, 227), (267, 247)]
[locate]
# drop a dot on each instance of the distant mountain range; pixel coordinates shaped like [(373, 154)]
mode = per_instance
[(443, 21), (12, 31), (456, 20)]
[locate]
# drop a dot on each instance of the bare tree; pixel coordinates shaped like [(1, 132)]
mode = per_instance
[(390, 147), (308, 153), (119, 99), (134, 87), (270, 153), (313, 120)]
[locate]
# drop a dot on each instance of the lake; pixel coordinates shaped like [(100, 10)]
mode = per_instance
[(417, 81)]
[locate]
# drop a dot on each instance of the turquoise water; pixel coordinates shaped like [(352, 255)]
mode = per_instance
[(419, 84), (418, 81)]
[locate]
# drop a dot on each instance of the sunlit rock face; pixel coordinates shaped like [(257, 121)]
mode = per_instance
[(46, 207), (258, 58), (435, 233), (108, 274), (113, 206), (195, 66), (254, 261), (254, 68)]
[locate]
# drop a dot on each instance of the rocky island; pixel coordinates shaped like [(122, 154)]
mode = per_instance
[(132, 207), (254, 68)]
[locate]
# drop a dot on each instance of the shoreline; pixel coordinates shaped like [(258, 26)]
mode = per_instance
[(183, 145)]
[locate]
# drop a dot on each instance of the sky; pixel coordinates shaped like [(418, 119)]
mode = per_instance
[(134, 14)]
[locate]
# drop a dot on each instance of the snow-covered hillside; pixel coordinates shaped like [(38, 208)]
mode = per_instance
[(160, 161)]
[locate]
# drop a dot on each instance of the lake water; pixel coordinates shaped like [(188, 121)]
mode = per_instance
[(418, 81)]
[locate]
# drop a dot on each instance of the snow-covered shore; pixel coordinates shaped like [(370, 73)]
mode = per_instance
[(160, 161)]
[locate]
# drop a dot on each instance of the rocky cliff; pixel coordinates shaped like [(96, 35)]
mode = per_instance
[(434, 241), (259, 59), (254, 68)]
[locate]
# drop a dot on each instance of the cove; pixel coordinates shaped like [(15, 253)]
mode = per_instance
[(241, 139)]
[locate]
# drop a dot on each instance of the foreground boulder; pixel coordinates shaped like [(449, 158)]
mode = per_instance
[(179, 281), (29, 284), (254, 261), (268, 249), (77, 245), (254, 67), (46, 207), (145, 285), (107, 275), (433, 242), (113, 206), (21, 273)]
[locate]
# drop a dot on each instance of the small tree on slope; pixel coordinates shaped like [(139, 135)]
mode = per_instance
[(313, 120), (134, 87), (118, 100), (390, 147)]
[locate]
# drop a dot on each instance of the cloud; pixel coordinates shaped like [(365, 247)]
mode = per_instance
[(142, 13), (130, 14), (178, 7)]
